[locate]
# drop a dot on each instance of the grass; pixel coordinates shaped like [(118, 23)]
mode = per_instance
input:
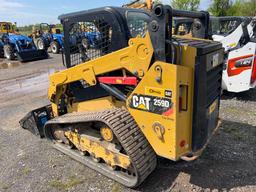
[(64, 185), (116, 188), (26, 32), (4, 186), (25, 170), (25, 157), (236, 110), (236, 133)]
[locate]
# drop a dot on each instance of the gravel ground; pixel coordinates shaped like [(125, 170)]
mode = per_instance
[(30, 164)]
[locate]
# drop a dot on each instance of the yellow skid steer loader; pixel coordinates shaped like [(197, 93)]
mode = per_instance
[(141, 93)]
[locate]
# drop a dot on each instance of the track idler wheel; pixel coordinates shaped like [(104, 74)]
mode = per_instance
[(107, 134)]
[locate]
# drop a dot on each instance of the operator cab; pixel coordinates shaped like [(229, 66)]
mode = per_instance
[(225, 25), (94, 33), (6, 27)]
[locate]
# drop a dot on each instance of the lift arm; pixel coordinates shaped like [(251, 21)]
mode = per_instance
[(135, 58)]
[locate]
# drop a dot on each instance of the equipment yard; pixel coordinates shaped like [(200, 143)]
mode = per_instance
[(31, 164)]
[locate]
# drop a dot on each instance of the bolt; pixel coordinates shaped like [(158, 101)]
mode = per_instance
[(154, 26), (158, 79), (135, 73)]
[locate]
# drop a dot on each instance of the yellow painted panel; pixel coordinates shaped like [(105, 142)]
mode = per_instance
[(99, 149), (95, 104), (162, 123)]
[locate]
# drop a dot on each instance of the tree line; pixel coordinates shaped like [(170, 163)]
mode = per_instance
[(220, 7), (27, 29), (216, 8)]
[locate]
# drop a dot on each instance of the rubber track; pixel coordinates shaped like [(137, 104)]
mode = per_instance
[(127, 132)]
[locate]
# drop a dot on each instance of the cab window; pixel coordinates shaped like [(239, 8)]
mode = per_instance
[(137, 23)]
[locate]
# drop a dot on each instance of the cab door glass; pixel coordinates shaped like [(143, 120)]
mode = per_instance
[(137, 23)]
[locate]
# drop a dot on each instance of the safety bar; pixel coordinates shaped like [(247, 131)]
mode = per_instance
[(190, 14), (200, 29)]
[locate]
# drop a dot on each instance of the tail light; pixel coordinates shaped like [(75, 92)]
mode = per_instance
[(239, 64), (254, 71)]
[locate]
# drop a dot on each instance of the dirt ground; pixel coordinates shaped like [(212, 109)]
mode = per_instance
[(30, 164)]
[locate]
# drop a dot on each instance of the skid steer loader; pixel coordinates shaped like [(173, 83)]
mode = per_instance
[(141, 94), (239, 72), (138, 4), (225, 25)]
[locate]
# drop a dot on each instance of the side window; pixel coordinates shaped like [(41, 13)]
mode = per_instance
[(137, 23), (5, 27), (215, 26)]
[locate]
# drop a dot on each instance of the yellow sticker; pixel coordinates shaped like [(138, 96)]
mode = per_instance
[(158, 92), (213, 106), (232, 44)]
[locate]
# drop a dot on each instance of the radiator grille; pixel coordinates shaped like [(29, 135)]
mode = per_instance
[(214, 78)]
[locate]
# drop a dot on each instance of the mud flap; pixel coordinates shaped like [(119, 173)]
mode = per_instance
[(35, 120), (32, 55)]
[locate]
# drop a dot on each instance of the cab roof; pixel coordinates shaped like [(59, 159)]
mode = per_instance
[(4, 22), (117, 10)]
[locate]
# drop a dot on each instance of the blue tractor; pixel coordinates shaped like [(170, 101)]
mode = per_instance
[(1, 49), (48, 36), (91, 39), (19, 46)]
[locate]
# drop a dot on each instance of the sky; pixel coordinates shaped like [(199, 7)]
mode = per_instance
[(26, 12)]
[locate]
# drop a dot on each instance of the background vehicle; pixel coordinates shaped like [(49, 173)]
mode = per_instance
[(225, 25), (6, 27), (182, 26), (140, 4), (93, 38), (1, 48), (239, 73), (236, 35), (19, 46), (48, 36), (142, 93)]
